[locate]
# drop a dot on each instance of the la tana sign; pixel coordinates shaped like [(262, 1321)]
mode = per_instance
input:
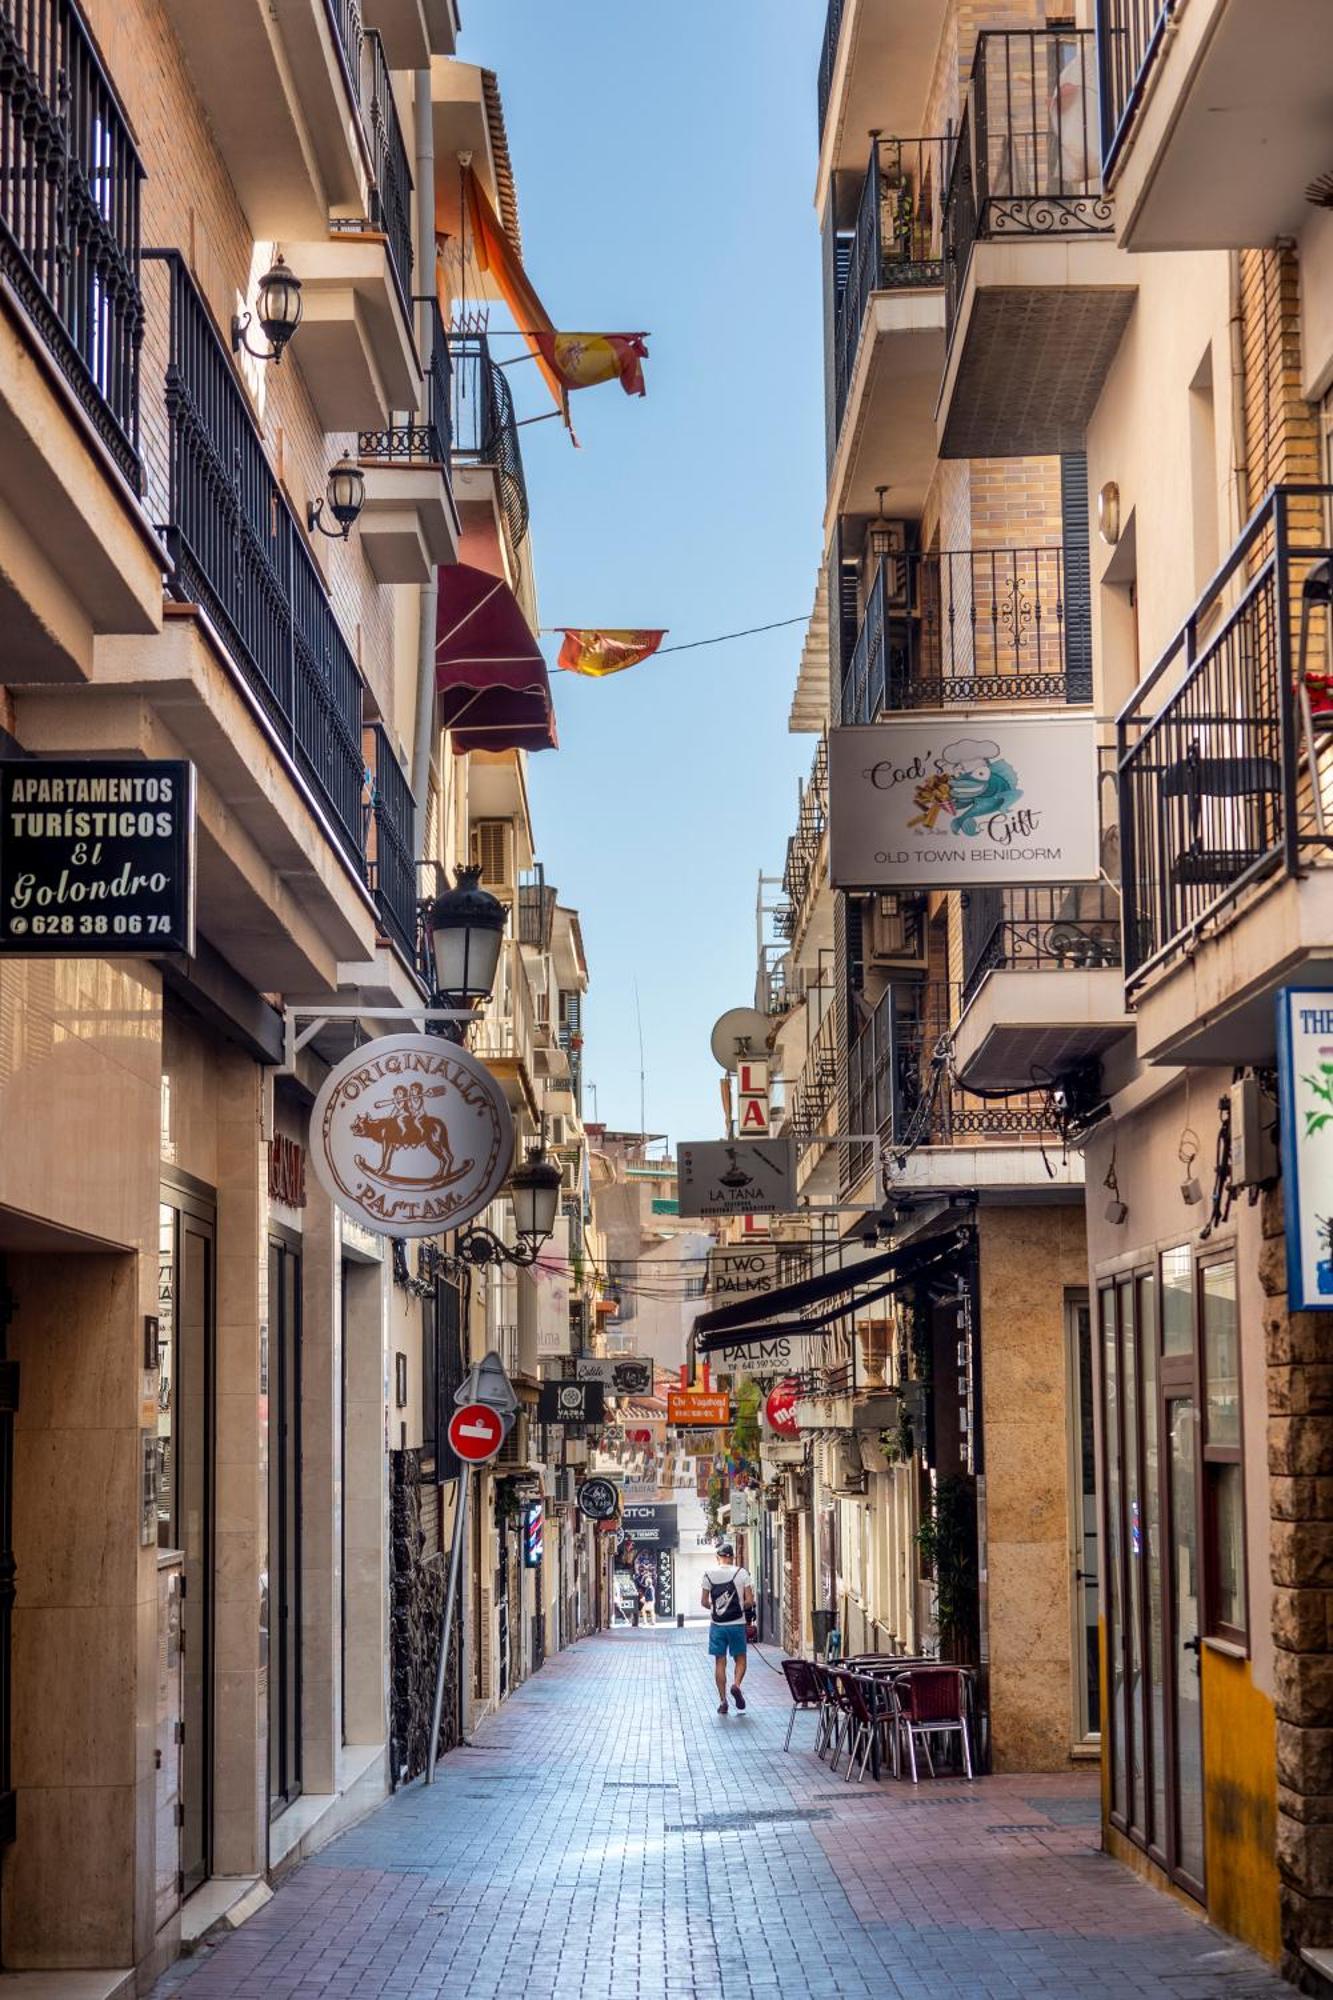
[(944, 803), (96, 856), (411, 1135)]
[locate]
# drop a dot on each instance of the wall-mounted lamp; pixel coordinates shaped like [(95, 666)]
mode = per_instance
[(1108, 513), (278, 310), (1117, 1211), (345, 493)]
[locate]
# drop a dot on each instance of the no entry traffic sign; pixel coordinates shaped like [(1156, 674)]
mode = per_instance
[(476, 1432)]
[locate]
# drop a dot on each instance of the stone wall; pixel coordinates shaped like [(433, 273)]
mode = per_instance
[(417, 1577), (1300, 1461)]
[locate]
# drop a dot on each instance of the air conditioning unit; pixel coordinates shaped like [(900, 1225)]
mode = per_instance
[(795, 1491), (893, 934), (514, 1450), (847, 1475)]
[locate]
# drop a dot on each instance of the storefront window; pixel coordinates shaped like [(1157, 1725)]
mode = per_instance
[(1177, 1302), (1223, 1477), (1221, 1361)]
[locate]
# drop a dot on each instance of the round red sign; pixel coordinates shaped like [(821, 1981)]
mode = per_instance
[(476, 1432), (780, 1410)]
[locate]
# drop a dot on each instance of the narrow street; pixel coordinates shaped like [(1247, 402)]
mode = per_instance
[(608, 1832)]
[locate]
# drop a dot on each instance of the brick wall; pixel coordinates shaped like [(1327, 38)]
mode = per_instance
[(190, 204)]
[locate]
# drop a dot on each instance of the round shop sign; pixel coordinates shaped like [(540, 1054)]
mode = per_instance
[(599, 1500), (780, 1410), (411, 1135)]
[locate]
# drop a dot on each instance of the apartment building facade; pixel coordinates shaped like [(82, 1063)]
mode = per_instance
[(227, 1495)]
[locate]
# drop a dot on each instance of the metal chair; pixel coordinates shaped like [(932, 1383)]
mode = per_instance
[(807, 1692), (932, 1701)]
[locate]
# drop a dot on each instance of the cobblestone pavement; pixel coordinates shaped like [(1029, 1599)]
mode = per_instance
[(609, 1833)]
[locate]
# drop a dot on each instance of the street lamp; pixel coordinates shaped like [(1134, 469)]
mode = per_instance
[(464, 930), (346, 494), (534, 1190), (278, 310)]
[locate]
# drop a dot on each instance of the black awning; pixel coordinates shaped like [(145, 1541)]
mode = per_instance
[(737, 1326)]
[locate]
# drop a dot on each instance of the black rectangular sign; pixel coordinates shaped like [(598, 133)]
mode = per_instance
[(571, 1403), (651, 1525), (96, 856)]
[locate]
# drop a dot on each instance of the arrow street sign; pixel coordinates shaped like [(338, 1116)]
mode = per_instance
[(476, 1432)]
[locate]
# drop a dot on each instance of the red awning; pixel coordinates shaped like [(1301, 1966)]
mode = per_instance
[(495, 693)]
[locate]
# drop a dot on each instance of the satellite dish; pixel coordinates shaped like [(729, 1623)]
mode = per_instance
[(741, 1033)]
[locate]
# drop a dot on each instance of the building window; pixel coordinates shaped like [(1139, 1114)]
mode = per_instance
[(1223, 1476)]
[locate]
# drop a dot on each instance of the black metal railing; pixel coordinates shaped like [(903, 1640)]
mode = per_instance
[(240, 553), (799, 879), (1221, 780), (391, 195), (389, 839), (1040, 929), (69, 213), (815, 1090), (961, 627), (1028, 157), (901, 1087), (1129, 34), (485, 432), (898, 240), (535, 914), (344, 17), (428, 441), (828, 56)]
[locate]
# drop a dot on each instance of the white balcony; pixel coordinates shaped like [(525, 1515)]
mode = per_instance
[(407, 525), (413, 30), (355, 346)]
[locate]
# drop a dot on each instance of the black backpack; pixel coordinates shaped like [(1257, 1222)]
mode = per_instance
[(727, 1607)]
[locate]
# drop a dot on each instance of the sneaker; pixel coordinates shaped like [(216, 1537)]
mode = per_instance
[(722, 1708), (738, 1697)]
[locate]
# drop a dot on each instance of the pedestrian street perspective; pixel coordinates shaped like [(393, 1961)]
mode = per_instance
[(666, 1281)]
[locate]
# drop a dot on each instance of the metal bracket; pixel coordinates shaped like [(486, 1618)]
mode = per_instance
[(316, 1018)]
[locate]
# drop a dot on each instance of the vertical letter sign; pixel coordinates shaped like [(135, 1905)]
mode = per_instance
[(1305, 1101)]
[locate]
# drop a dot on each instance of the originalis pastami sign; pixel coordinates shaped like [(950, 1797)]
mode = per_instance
[(411, 1135), (1305, 1121), (96, 855), (956, 803)]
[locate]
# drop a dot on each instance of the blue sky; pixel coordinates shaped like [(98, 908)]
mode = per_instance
[(665, 161)]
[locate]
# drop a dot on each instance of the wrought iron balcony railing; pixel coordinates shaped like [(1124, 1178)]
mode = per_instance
[(1028, 157), (485, 432), (1045, 929), (1129, 34), (898, 241), (815, 1091), (240, 553), (966, 627), (427, 442), (391, 196), (69, 213), (800, 878), (1226, 767), (389, 838), (900, 1085), (828, 56)]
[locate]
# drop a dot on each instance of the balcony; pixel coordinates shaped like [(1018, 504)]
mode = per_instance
[(1043, 991), (390, 843), (1226, 797), (901, 1084), (409, 523), (486, 447), (888, 334), (281, 89), (875, 70), (806, 871), (1211, 123), (414, 30), (966, 628), (78, 560), (1036, 293)]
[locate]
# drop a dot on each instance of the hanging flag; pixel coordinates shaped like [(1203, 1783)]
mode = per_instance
[(581, 360), (602, 652), (497, 256)]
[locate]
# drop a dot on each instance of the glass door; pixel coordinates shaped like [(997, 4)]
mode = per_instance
[(1083, 1526), (1184, 1628)]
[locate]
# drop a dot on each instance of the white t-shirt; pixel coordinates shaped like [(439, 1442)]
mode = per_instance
[(727, 1585)]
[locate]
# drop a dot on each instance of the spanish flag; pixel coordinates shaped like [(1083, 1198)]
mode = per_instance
[(605, 651), (581, 360)]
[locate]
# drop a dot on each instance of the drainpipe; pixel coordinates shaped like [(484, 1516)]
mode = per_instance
[(423, 737), (1240, 469)]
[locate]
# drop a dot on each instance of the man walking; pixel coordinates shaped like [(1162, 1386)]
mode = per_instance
[(728, 1595)]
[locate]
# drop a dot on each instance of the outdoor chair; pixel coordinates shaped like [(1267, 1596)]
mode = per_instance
[(932, 1701), (867, 1713), (835, 1725), (807, 1692)]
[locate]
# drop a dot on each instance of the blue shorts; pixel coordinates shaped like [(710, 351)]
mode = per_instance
[(724, 1639)]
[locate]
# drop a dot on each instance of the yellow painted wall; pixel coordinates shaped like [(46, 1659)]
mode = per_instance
[(1240, 1803)]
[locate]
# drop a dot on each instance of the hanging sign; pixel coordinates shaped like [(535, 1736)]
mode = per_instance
[(96, 856), (756, 1176), (598, 1500), (1305, 1118), (761, 1358), (653, 1525), (957, 803), (411, 1135), (780, 1411), (697, 1409), (571, 1403)]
